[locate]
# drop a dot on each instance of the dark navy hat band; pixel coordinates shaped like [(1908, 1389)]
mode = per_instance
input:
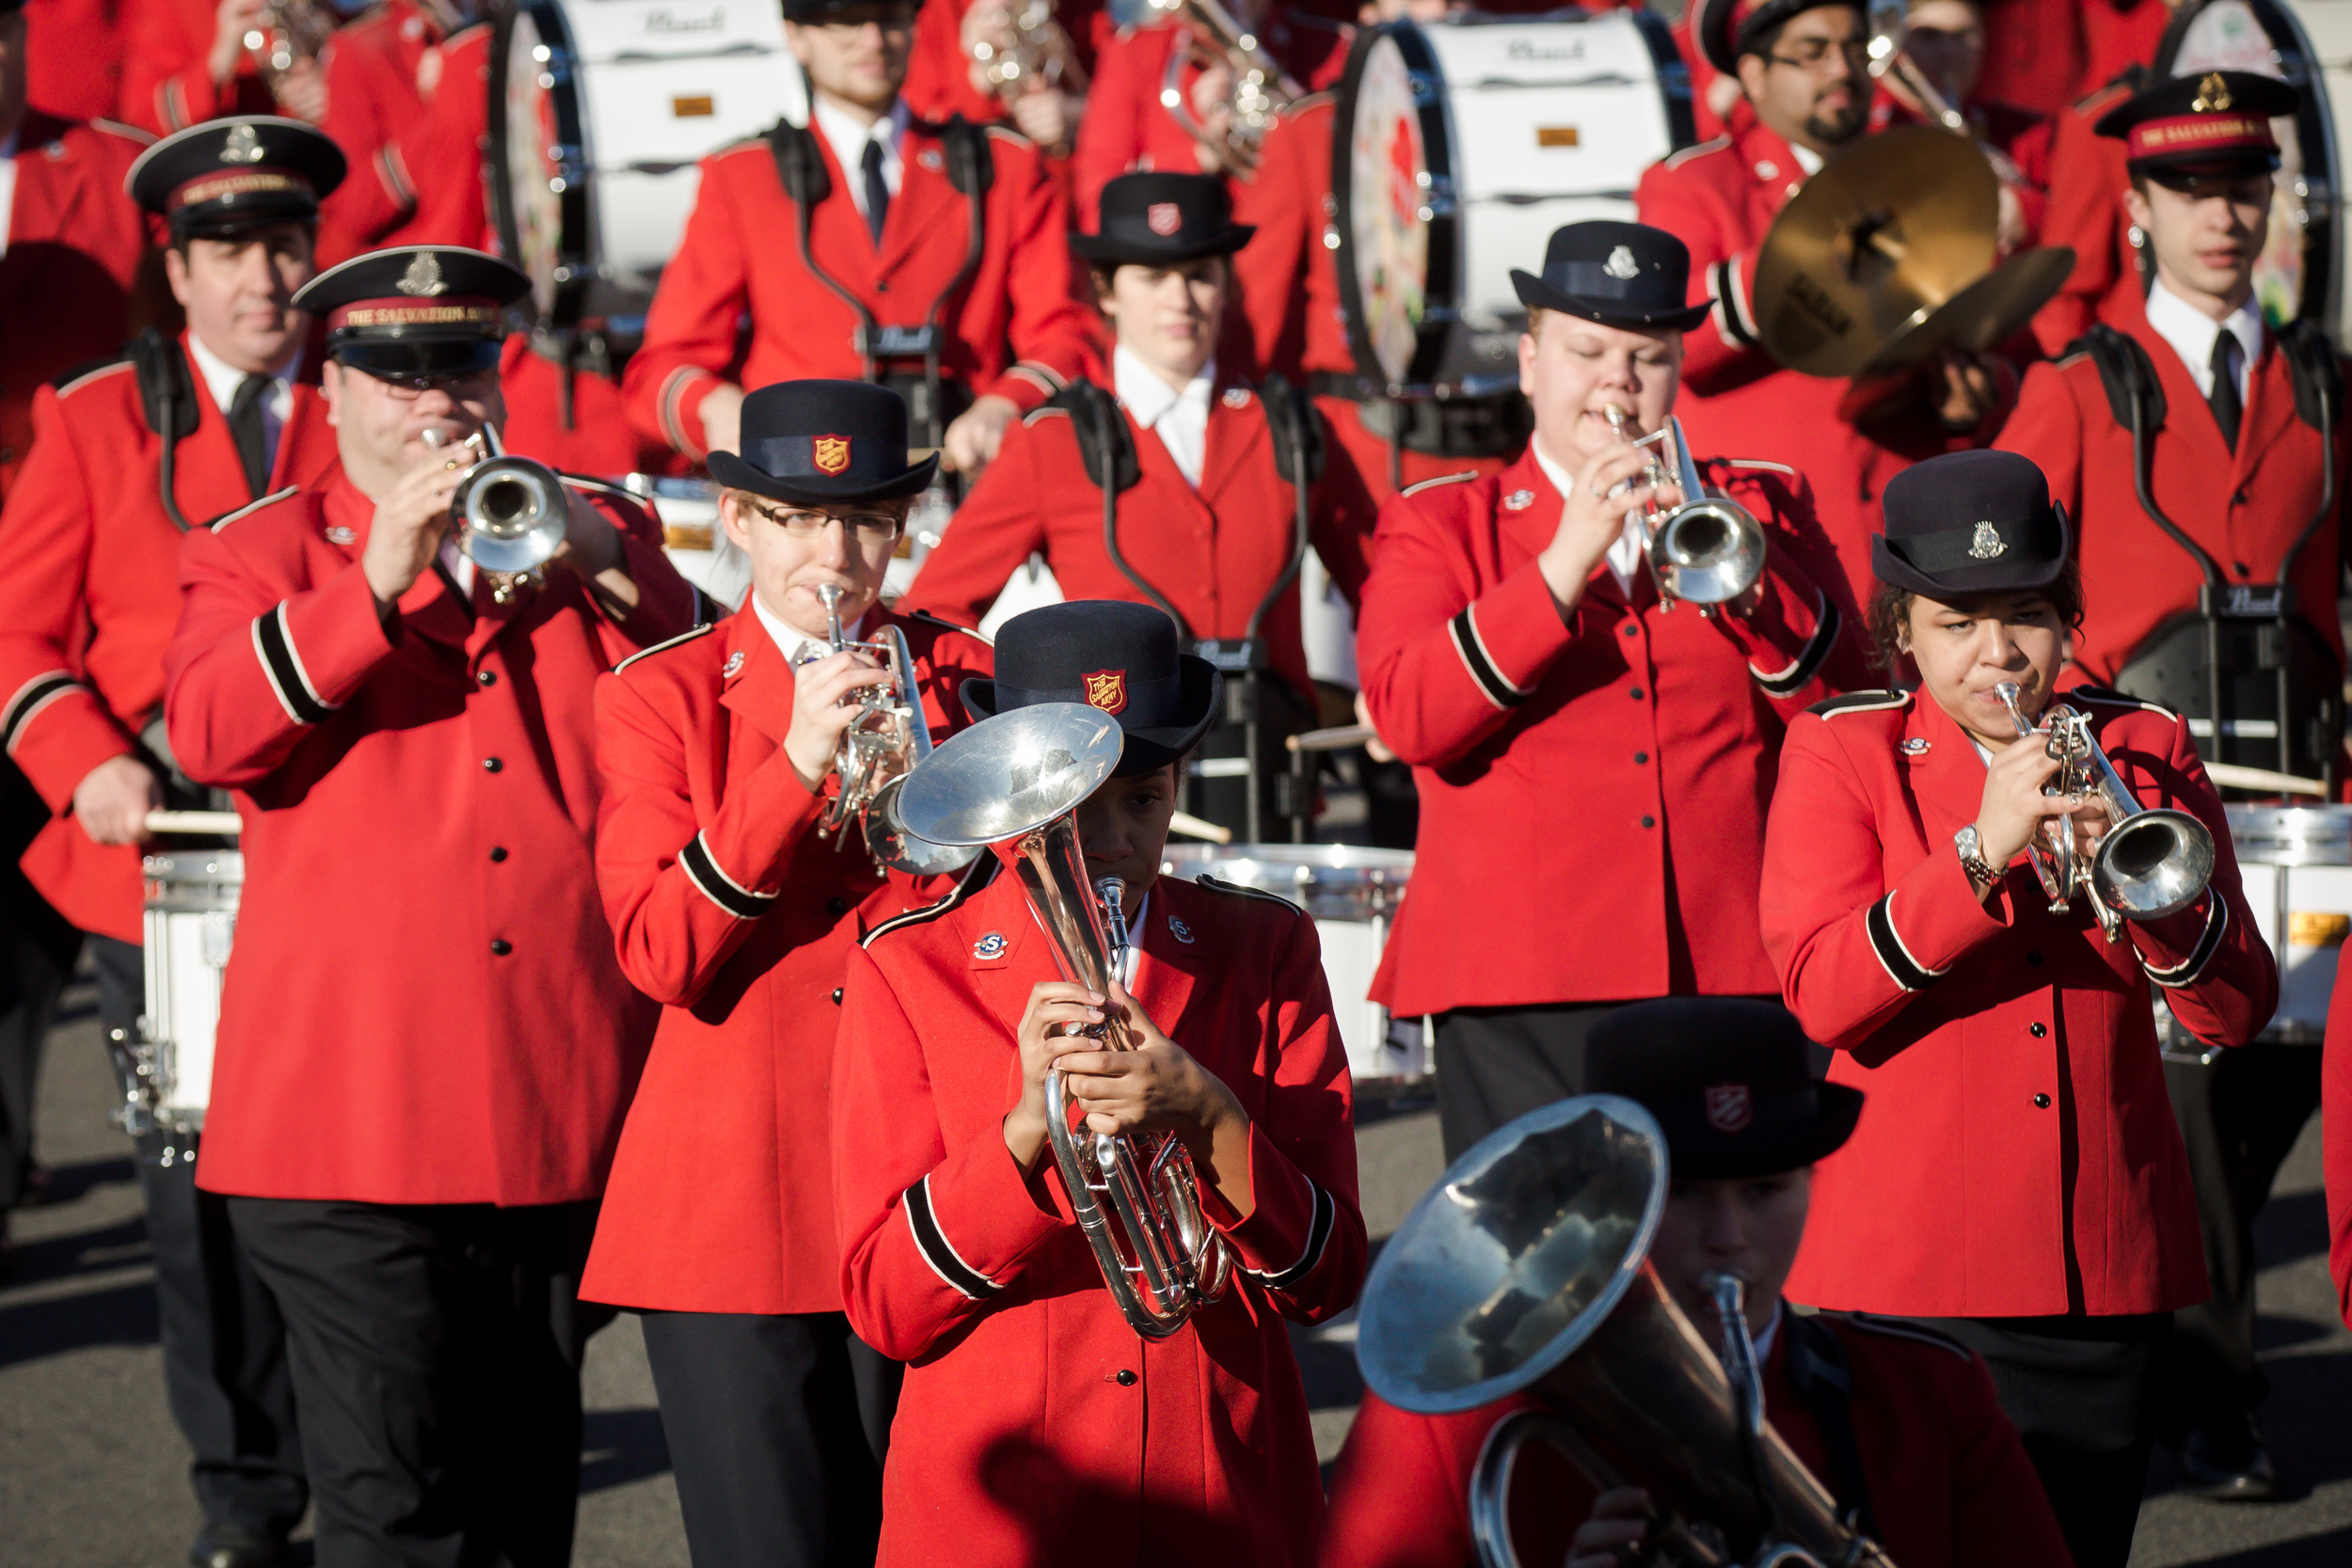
[(1150, 704), (1595, 280), (1956, 550), (852, 457)]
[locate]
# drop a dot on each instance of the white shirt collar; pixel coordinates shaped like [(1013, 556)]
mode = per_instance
[(222, 379), (847, 139), (1624, 556), (1179, 418), (796, 645), (1772, 1331), (2191, 333)]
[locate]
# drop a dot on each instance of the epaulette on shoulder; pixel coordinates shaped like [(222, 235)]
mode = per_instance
[(603, 486), (2122, 699), (684, 637), (1902, 1328), (1859, 701), (1205, 879), (1760, 463), (251, 507), (128, 133), (467, 31), (1676, 160), (83, 375), (1462, 478), (940, 623), (1007, 134), (981, 872), (1042, 411)]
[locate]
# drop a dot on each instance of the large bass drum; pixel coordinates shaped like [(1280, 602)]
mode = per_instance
[(600, 111), (2302, 271), (1460, 147)]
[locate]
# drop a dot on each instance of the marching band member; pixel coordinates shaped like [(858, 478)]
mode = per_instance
[(1902, 1424), (1514, 650), (736, 915), (1035, 1426), (382, 72), (2085, 214), (185, 61), (2234, 446), (849, 247), (1208, 482), (2017, 1177), (425, 1044), (1801, 67), (86, 610)]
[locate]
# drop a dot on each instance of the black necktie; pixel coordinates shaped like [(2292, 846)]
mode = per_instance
[(876, 192), (245, 427), (2227, 409)]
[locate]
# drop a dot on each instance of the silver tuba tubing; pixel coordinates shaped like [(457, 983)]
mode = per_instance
[(1525, 1271), (1710, 549)]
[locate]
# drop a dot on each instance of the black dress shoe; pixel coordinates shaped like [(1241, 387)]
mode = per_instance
[(2225, 1460), (235, 1546)]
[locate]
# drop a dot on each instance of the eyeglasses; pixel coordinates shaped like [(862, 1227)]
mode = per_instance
[(1813, 54), (460, 384), (893, 22), (868, 528)]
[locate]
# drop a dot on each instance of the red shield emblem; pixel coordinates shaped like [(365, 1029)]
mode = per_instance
[(1107, 688), (830, 453), (1729, 1107), (1165, 217)]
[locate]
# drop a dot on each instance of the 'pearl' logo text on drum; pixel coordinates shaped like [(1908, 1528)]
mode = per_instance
[(670, 22)]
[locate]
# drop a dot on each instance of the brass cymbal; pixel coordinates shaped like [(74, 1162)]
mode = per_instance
[(1977, 320), (1891, 227)]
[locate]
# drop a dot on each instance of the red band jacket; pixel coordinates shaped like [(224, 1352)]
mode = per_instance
[(423, 1006), (2017, 1156), (383, 71), (2246, 508), (2088, 178), (73, 58), (1035, 1426), (1719, 199), (1213, 552), (733, 914), (1949, 1482), (1015, 328), (167, 81), (71, 264), (2336, 1135), (1613, 763), (92, 593)]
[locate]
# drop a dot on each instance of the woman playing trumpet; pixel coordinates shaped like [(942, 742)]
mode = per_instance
[(732, 909), (2016, 1179)]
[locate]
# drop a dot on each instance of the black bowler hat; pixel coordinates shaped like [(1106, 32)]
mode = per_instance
[(230, 176), (823, 10), (1728, 28), (1108, 653), (1154, 219), (1729, 1080), (418, 310), (2219, 121), (819, 443), (1971, 522), (1618, 273)]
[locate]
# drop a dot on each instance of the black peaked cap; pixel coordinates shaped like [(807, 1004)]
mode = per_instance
[(1108, 653), (2217, 118), (1624, 275), (820, 443), (1727, 27), (1971, 522), (1730, 1080), (1157, 219), (245, 172), (418, 310)]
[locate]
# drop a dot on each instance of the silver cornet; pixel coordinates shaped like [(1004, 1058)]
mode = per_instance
[(1710, 549), (1040, 52), (511, 512), (1261, 91), (1020, 776), (884, 745), (287, 33), (2147, 863)]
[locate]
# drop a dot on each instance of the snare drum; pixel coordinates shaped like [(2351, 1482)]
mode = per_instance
[(191, 917), (1352, 894), (1463, 144), (2296, 864)]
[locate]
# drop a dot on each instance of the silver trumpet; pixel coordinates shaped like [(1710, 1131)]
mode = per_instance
[(1020, 776), (1040, 53), (2148, 862), (1261, 91), (511, 512), (1710, 549), (882, 748), (1525, 1271)]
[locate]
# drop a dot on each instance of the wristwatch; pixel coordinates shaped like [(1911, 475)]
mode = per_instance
[(1972, 860)]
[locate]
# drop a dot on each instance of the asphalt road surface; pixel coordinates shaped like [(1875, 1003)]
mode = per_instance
[(92, 1474)]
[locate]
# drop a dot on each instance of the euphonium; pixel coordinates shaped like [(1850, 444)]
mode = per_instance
[(511, 512), (1020, 776), (1707, 550), (1525, 1270), (884, 745), (1261, 91), (287, 33), (2148, 862), (1041, 52)]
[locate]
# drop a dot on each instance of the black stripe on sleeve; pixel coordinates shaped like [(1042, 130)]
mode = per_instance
[(717, 886), (1735, 315), (284, 670), (1318, 1237), (1789, 682), (31, 698), (1464, 631), (1906, 972), (932, 1243), (2208, 943)]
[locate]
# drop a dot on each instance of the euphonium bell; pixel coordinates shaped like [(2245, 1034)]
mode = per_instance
[(1020, 776), (1710, 549), (1525, 1271), (511, 512)]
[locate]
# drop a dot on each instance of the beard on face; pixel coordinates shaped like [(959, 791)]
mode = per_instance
[(1836, 127)]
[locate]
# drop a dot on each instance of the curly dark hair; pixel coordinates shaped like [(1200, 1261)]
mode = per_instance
[(1889, 611)]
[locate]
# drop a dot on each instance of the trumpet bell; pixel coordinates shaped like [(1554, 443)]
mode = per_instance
[(1708, 551), (511, 513), (2152, 863), (1010, 773)]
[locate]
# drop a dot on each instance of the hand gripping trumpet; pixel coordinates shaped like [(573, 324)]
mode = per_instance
[(2145, 865), (511, 512), (1710, 549), (1019, 777), (1261, 89)]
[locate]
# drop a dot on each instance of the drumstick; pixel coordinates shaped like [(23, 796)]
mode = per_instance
[(1192, 827), (2262, 781), (194, 822)]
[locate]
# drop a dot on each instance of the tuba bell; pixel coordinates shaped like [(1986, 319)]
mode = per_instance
[(1710, 549), (511, 512), (1525, 1271), (1019, 777)]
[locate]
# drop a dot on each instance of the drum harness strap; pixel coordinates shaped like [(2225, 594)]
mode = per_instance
[(1108, 450), (168, 400), (970, 169), (2135, 397)]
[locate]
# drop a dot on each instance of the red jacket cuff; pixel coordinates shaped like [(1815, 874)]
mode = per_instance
[(1508, 636), (1923, 925), (318, 646), (57, 731), (975, 1219), (1290, 1219)]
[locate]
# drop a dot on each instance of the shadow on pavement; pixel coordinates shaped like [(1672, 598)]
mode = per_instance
[(124, 1315), (617, 1447), (2330, 1551)]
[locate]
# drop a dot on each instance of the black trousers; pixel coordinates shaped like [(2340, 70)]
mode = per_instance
[(2086, 1394), (777, 1425), (436, 1354), (225, 1367), (1497, 1064), (2239, 1115), (37, 952)]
